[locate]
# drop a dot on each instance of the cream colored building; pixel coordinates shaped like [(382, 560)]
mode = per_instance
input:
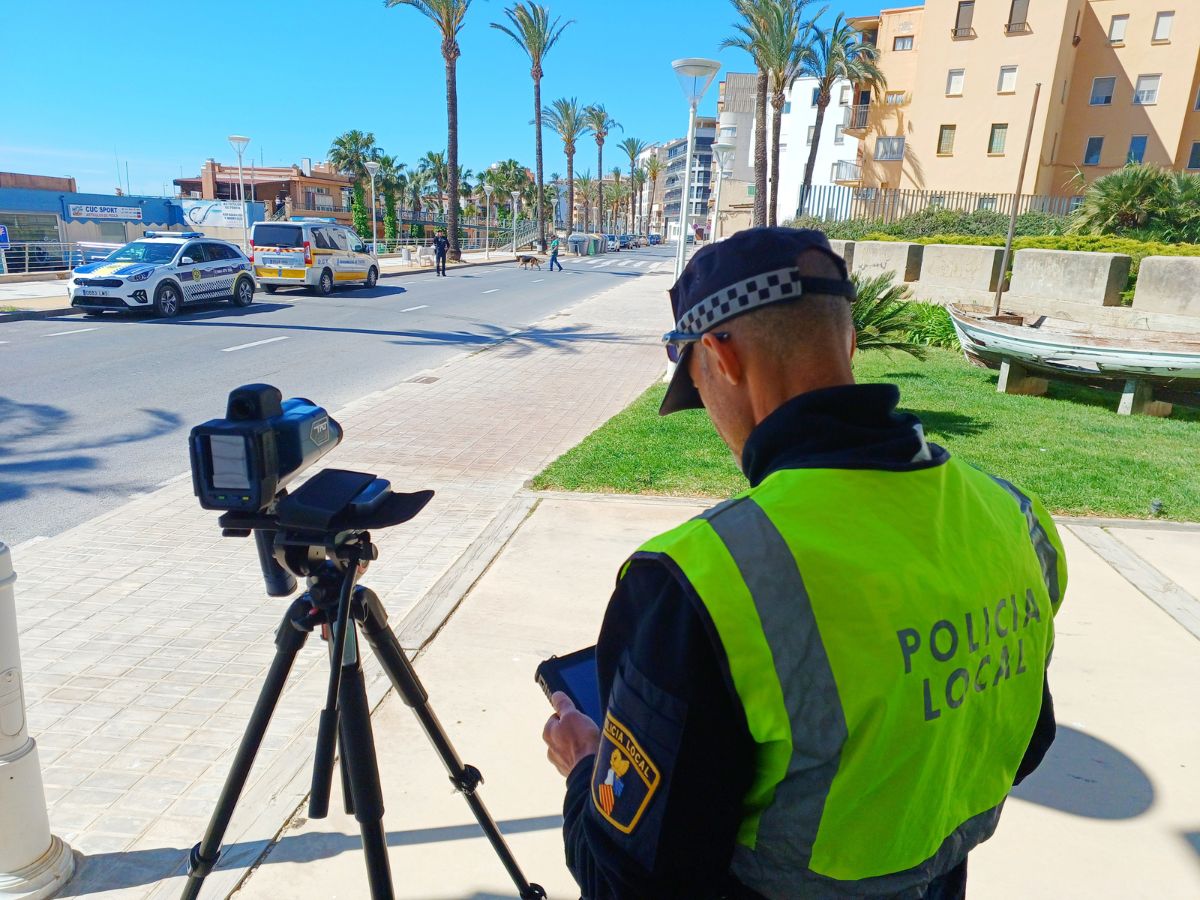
[(1120, 80)]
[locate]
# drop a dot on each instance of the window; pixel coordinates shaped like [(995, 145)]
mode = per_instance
[(1147, 90), (1018, 17), (896, 98), (889, 149), (839, 136), (750, 189), (1198, 100), (812, 129), (1194, 159), (1102, 90), (195, 252), (1162, 26), (787, 107), (946, 140), (966, 15), (728, 131), (954, 82), (1116, 29), (998, 138), (1008, 80), (1137, 149), (1091, 154), (112, 232), (844, 98), (988, 203), (816, 96), (904, 42)]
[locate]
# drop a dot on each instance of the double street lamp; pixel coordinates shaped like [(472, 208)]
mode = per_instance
[(695, 75), (372, 167), (238, 143), (487, 223), (516, 195), (723, 154)]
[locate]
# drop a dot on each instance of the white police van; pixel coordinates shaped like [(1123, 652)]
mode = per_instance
[(317, 254), (164, 271)]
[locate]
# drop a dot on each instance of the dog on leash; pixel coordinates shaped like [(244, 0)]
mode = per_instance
[(529, 261)]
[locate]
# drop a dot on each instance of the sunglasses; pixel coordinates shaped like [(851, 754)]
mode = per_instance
[(677, 342)]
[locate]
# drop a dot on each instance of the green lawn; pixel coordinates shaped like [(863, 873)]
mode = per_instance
[(1069, 447)]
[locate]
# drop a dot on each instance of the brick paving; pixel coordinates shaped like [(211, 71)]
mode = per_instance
[(145, 634)]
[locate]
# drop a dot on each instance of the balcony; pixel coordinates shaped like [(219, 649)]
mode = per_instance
[(962, 34), (856, 118), (846, 173), (1017, 28)]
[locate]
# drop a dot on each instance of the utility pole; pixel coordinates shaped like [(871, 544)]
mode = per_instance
[(1016, 204)]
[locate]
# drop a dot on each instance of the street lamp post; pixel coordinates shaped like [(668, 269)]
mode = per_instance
[(372, 167), (487, 223), (238, 143), (723, 153), (516, 195), (695, 75)]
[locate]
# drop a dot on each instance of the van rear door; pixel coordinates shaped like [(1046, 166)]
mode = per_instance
[(279, 250)]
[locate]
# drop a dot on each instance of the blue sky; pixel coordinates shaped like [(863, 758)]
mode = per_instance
[(160, 84)]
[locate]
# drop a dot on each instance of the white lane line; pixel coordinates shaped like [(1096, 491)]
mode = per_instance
[(76, 331), (254, 344), (537, 281), (492, 291), (414, 308)]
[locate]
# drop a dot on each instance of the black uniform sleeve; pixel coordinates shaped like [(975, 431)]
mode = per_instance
[(656, 811)]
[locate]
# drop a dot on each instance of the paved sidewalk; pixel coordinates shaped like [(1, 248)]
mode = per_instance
[(1112, 813), (145, 634)]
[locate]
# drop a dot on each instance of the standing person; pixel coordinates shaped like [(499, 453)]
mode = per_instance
[(818, 688), (554, 245), (441, 247)]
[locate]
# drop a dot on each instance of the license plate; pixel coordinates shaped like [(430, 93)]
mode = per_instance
[(274, 262), (91, 292)]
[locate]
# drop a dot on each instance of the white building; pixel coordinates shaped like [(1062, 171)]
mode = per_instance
[(796, 136)]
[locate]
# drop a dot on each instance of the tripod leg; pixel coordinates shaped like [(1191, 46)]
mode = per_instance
[(466, 779), (362, 767), (289, 638)]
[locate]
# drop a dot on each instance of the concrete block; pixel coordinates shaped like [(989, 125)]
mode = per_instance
[(902, 260), (844, 249), (1092, 279), (1169, 284), (1015, 379), (1138, 400)]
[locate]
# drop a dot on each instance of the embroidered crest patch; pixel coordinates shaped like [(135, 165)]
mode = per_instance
[(625, 778)]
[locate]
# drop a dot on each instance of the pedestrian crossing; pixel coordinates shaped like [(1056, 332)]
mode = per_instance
[(646, 265)]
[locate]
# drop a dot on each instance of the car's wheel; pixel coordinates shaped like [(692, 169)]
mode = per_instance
[(372, 277), (325, 285), (243, 292), (167, 300), (271, 288)]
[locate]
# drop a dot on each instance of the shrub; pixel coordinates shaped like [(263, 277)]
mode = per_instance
[(1143, 201), (932, 327), (931, 222), (882, 317)]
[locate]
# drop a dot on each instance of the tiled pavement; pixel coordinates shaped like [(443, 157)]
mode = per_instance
[(145, 634)]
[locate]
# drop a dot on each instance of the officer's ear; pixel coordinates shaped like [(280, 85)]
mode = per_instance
[(723, 357)]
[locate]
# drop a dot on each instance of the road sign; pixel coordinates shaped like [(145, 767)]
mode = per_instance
[(3, 237)]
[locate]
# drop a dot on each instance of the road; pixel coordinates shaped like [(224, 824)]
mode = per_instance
[(93, 411)]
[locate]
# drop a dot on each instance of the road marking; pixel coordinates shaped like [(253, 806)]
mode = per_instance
[(492, 291), (414, 308), (76, 331), (535, 281), (254, 344)]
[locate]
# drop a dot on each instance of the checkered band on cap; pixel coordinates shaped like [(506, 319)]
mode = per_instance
[(769, 287)]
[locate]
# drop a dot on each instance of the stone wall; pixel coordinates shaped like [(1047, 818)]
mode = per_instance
[(953, 273), (844, 249), (875, 257), (1169, 284), (1091, 279)]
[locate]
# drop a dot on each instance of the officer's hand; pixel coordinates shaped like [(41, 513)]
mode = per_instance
[(569, 735)]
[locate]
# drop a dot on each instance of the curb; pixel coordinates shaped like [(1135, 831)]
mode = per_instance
[(28, 314)]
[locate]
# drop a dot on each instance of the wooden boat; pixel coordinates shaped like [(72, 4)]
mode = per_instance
[(1166, 364)]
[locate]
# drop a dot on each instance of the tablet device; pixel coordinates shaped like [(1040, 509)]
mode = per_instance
[(574, 675)]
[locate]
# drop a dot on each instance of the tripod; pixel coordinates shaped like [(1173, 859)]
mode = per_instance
[(340, 608)]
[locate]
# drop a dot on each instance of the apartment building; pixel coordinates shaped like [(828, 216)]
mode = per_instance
[(701, 177), (651, 203), (1119, 81), (798, 132), (735, 126)]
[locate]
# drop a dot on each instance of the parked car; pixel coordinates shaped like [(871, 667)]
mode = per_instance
[(655, 239), (164, 271), (312, 253), (626, 242), (611, 243)]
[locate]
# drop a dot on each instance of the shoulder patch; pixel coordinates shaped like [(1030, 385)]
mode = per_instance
[(625, 778)]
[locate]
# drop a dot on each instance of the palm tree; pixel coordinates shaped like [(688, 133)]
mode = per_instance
[(531, 28), (600, 123), (435, 164), (837, 54), (784, 55), (350, 152), (567, 118), (633, 148), (419, 181), (585, 184), (639, 183), (751, 37), (654, 168), (448, 16), (388, 178)]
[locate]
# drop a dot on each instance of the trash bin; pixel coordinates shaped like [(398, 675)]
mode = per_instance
[(406, 254)]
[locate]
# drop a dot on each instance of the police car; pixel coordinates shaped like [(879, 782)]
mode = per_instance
[(164, 271)]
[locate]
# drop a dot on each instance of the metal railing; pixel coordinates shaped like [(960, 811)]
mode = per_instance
[(839, 203), (959, 33), (1017, 28), (856, 117), (42, 257), (845, 171)]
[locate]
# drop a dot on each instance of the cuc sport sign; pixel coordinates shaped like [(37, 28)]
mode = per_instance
[(88, 211)]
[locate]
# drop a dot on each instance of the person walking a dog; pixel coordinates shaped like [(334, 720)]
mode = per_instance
[(441, 247), (554, 247)]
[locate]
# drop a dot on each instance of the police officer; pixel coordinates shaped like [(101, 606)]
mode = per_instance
[(827, 686), (441, 247)]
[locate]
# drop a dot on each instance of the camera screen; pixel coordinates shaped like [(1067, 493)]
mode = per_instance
[(229, 462)]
